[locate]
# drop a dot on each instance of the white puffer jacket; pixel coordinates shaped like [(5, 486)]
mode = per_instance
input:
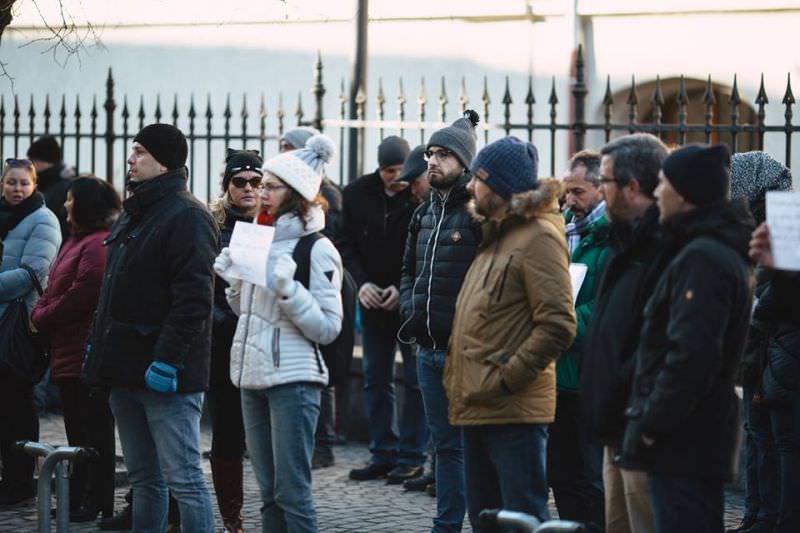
[(274, 337)]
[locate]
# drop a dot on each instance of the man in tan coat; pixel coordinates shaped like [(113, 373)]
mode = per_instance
[(514, 316)]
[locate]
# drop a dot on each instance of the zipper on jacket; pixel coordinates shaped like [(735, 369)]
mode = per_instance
[(503, 279), (244, 337), (438, 231), (276, 347)]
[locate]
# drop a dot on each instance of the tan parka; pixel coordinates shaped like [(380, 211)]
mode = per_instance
[(514, 317)]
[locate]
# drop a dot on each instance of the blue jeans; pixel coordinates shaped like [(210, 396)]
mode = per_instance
[(765, 486), (504, 468), (385, 444), (279, 424), (448, 451), (686, 505), (160, 437)]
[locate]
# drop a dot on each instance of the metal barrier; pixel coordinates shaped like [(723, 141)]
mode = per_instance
[(56, 460), (530, 524)]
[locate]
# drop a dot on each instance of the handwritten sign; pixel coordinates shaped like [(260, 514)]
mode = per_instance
[(250, 244), (783, 218), (577, 273)]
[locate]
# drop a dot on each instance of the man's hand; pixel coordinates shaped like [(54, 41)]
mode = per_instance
[(161, 377), (391, 298), (761, 247), (370, 296)]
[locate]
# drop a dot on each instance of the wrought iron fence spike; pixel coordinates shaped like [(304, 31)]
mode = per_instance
[(553, 100), (658, 96), (607, 98), (507, 100), (158, 108), (708, 97), (788, 96), (244, 113), (485, 96), (227, 111), (209, 114), (192, 111), (93, 112), (682, 97), (761, 98), (77, 113), (734, 98), (633, 96), (125, 113), (530, 99)]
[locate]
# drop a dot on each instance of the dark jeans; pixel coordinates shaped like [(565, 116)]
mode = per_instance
[(504, 467), (761, 498), (325, 434), (385, 444), (19, 422), (686, 505), (88, 422), (448, 451), (784, 423), (574, 464)]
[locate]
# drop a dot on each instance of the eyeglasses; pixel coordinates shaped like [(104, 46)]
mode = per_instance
[(441, 155), (270, 188), (12, 162), (240, 182)]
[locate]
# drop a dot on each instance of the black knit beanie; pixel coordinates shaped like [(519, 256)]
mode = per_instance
[(239, 160), (45, 149), (459, 137), (166, 144), (393, 150), (414, 165), (700, 173)]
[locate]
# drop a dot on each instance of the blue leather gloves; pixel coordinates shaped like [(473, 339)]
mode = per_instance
[(161, 377)]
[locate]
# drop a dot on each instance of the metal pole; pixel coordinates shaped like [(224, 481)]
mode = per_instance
[(355, 163), (37, 449), (62, 471)]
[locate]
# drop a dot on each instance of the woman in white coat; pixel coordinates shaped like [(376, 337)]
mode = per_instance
[(274, 357)]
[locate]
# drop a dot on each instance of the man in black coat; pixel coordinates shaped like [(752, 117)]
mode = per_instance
[(52, 177), (442, 242), (376, 211), (628, 176), (151, 341), (683, 419)]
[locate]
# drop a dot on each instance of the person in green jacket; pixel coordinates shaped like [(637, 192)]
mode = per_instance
[(574, 464)]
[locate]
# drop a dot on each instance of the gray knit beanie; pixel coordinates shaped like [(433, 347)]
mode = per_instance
[(298, 136), (459, 137)]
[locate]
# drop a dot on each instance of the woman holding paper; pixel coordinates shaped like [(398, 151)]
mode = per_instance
[(275, 359), (239, 202)]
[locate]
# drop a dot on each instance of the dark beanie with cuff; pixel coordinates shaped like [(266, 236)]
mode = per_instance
[(238, 160), (699, 172), (392, 151), (45, 149), (166, 144), (415, 164), (459, 137), (508, 166)]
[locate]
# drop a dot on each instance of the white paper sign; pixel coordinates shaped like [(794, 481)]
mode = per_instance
[(783, 218), (250, 244), (577, 272)]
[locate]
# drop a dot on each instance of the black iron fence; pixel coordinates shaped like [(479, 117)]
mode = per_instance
[(692, 111)]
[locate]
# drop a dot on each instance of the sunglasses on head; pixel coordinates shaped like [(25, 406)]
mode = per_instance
[(241, 183), (13, 162)]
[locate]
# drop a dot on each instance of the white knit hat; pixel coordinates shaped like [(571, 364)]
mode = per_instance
[(302, 169)]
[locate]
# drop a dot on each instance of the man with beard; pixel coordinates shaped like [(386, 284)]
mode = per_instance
[(442, 240), (628, 176), (514, 316)]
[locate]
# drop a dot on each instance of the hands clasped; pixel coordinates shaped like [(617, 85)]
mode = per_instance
[(373, 297)]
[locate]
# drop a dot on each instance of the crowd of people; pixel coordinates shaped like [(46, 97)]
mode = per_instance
[(583, 334)]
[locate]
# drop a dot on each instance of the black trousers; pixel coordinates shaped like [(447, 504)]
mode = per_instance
[(89, 423), (225, 409), (574, 465), (18, 421)]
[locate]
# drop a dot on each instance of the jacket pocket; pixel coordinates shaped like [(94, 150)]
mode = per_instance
[(483, 376), (127, 352)]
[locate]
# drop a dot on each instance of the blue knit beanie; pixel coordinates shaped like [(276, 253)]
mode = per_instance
[(508, 166)]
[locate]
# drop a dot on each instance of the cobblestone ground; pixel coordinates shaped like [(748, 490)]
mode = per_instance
[(342, 505)]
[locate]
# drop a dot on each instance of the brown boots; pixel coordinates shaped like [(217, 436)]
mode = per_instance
[(228, 479)]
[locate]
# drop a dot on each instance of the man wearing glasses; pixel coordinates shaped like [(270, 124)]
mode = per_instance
[(442, 241), (375, 215), (628, 177)]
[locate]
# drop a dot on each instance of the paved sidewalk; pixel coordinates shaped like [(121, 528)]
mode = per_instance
[(342, 505)]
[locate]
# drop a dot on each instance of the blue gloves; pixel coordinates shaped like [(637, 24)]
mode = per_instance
[(161, 377)]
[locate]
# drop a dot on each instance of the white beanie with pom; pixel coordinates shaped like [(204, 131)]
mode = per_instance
[(302, 169)]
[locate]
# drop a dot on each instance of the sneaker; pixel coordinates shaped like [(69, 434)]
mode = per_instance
[(371, 471), (122, 521), (418, 484), (402, 473), (431, 490)]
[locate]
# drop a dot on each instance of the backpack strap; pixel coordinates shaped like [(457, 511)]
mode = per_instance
[(34, 279), (302, 257)]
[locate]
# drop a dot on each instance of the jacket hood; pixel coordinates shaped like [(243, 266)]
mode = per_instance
[(728, 221), (289, 226)]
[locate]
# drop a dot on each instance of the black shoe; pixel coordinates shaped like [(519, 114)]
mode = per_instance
[(402, 473), (85, 513), (371, 471), (418, 484), (746, 524), (431, 490), (321, 460), (122, 521)]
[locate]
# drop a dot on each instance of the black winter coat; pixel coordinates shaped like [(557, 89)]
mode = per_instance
[(636, 258), (693, 334), (372, 238), (442, 241), (53, 184), (157, 297)]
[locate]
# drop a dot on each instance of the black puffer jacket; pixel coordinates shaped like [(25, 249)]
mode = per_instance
[(694, 330), (636, 260), (372, 237), (442, 241), (157, 297)]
